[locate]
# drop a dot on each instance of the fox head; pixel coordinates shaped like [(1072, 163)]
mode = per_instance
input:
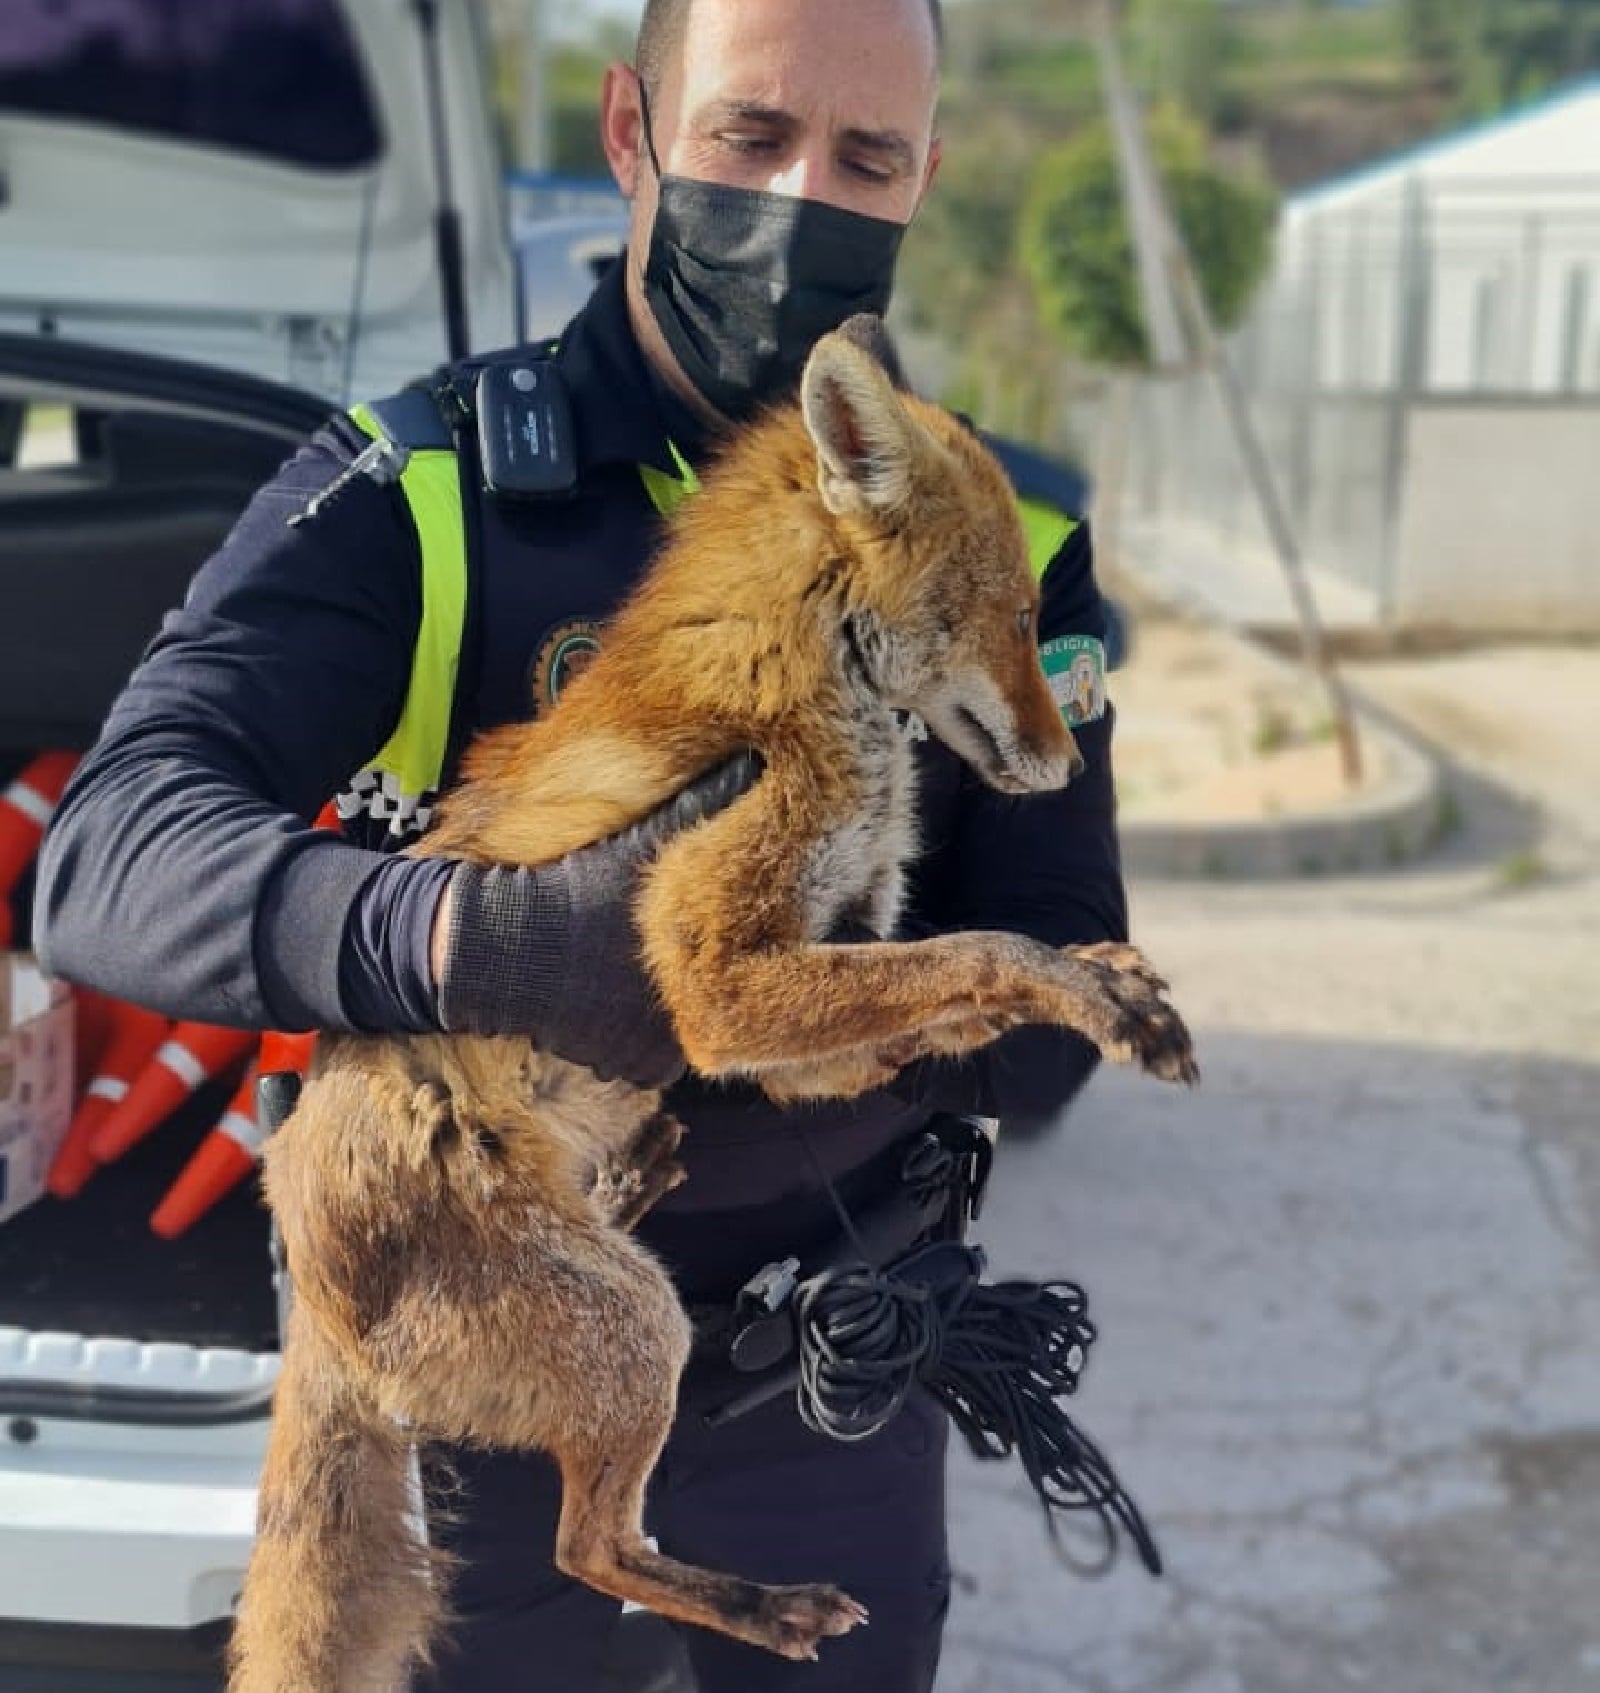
[(942, 608)]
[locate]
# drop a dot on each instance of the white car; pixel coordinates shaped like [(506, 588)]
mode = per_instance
[(275, 187), (218, 222)]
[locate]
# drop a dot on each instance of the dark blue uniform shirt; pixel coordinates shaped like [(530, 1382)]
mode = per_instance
[(179, 871)]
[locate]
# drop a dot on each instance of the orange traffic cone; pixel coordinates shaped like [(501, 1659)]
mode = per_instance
[(135, 1036), (286, 1054), (190, 1056), (233, 1148), (222, 1160), (93, 1017), (25, 808)]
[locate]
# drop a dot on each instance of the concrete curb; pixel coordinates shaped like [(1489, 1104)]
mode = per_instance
[(1398, 820), (1390, 823)]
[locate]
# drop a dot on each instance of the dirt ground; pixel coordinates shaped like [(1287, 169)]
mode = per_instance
[(1210, 727)]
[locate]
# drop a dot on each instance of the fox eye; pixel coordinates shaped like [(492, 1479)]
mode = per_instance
[(1025, 621)]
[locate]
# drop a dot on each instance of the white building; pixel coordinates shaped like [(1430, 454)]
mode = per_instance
[(1424, 368), (1484, 245)]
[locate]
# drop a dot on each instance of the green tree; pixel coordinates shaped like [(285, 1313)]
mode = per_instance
[(1180, 50), (1077, 251), (962, 245), (1488, 53), (1535, 43), (1434, 32)]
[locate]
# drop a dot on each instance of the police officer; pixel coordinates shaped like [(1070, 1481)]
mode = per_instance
[(773, 152)]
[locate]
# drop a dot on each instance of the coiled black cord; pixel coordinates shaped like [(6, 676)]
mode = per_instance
[(998, 1357)]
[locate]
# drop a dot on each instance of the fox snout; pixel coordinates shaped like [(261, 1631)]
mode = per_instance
[(1045, 752), (1051, 767), (1018, 752), (1075, 765)]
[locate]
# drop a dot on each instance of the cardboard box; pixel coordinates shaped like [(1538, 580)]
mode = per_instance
[(36, 1077)]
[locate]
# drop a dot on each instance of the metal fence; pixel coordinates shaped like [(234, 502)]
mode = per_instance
[(1469, 293)]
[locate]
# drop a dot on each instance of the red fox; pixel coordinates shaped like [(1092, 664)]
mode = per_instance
[(455, 1210)]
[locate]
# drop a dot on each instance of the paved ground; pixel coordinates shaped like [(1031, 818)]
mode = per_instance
[(1348, 1290)]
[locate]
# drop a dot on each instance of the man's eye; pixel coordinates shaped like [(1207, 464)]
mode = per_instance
[(869, 170), (750, 143)]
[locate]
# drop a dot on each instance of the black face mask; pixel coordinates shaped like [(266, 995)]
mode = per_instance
[(743, 283)]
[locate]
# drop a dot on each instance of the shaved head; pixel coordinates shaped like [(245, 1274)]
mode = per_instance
[(661, 35)]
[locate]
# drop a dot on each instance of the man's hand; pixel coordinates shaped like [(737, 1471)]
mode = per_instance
[(552, 953)]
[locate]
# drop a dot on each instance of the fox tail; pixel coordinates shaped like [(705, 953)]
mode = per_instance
[(342, 1592)]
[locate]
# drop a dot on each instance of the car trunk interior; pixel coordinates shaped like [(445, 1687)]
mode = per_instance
[(107, 507), (104, 517), (90, 1265)]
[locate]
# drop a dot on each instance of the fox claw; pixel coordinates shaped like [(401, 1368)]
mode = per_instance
[(796, 1619), (1146, 1030)]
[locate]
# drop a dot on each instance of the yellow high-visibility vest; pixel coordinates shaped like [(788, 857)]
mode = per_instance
[(400, 785)]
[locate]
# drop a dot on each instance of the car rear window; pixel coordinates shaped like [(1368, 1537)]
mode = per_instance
[(277, 78)]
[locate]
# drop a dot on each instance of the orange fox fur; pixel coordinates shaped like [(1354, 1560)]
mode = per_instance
[(456, 1210)]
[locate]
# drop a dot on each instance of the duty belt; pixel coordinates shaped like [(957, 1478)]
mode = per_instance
[(943, 1171)]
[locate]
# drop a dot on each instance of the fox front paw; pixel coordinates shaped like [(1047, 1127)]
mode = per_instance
[(1132, 1021)]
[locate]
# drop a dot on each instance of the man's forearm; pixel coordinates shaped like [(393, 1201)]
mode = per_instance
[(164, 883)]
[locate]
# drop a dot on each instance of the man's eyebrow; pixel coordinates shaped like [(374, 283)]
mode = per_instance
[(746, 111), (891, 144)]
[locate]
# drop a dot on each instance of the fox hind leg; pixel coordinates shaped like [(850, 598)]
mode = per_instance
[(613, 1342), (600, 1542)]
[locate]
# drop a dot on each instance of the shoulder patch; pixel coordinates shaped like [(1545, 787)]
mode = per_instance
[(563, 652), (1075, 666)]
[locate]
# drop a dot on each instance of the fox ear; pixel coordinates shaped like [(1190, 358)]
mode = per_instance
[(864, 436), (868, 332)]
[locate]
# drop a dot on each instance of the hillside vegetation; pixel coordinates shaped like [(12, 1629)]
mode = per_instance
[(1276, 94)]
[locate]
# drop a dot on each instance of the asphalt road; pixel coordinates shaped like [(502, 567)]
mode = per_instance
[(1349, 1361)]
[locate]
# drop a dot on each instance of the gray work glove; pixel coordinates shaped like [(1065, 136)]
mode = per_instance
[(553, 953)]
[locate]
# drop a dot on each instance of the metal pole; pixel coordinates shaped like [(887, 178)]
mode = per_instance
[(1532, 295), (447, 216), (1306, 361), (1163, 331), (1406, 380), (534, 116), (1573, 324)]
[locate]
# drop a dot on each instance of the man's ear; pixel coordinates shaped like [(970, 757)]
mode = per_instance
[(621, 125), (865, 438)]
